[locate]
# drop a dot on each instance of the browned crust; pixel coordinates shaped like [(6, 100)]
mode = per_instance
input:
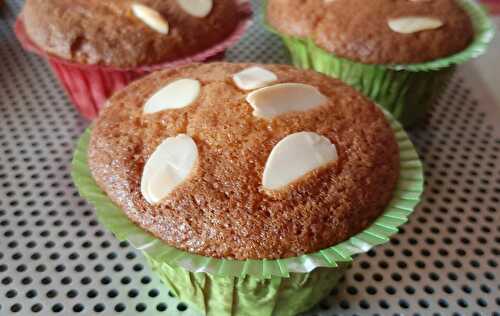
[(358, 30), (222, 210), (106, 32)]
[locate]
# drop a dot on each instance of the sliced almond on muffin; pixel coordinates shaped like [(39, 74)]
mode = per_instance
[(175, 95), (413, 24), (278, 99), (151, 18), (170, 164), (295, 156)]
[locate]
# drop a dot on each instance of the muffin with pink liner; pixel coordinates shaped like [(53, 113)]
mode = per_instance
[(96, 47)]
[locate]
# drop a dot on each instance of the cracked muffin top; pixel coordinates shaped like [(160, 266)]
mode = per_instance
[(127, 34), (376, 31), (245, 161)]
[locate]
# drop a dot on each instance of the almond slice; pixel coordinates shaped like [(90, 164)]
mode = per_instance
[(253, 78), (175, 95), (413, 24), (170, 164), (278, 99), (197, 8), (150, 17), (295, 156)]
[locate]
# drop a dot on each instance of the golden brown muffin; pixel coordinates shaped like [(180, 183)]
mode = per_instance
[(222, 210), (358, 29), (106, 32)]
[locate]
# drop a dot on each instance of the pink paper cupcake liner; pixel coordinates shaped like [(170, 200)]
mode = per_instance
[(89, 86), (493, 6)]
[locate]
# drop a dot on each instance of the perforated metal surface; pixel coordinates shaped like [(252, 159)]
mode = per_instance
[(56, 259)]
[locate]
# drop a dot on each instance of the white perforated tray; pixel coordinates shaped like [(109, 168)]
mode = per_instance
[(55, 259)]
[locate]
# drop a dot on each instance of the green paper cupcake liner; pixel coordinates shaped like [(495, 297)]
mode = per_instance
[(247, 295), (256, 287), (406, 91)]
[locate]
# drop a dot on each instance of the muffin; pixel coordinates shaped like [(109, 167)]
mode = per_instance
[(256, 175), (97, 47), (399, 53)]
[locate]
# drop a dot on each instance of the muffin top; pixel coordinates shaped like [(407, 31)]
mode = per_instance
[(211, 161), (126, 34), (376, 31)]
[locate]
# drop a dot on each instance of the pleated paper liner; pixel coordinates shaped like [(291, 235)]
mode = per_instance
[(89, 86), (248, 295), (406, 91), (256, 287)]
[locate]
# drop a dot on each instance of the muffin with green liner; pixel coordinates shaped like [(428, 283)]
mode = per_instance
[(248, 187), (399, 53)]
